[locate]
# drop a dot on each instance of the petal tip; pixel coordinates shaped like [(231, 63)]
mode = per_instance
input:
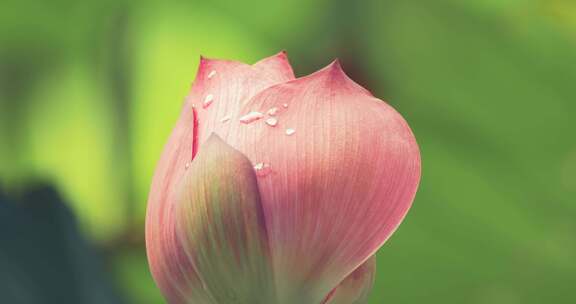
[(216, 147), (334, 74), (214, 141), (203, 60), (282, 54), (280, 57), (278, 62), (335, 64), (213, 137), (334, 69)]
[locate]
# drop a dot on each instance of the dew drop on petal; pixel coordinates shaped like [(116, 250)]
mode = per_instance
[(272, 111), (290, 131), (262, 169), (225, 118), (208, 100), (251, 117), (211, 74), (272, 121), (187, 165), (285, 105)]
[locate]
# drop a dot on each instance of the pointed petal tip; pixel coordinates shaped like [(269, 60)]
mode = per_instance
[(334, 69), (279, 63), (334, 74), (213, 137), (215, 142), (203, 60), (282, 53), (220, 228), (282, 56), (206, 60), (216, 146), (335, 64)]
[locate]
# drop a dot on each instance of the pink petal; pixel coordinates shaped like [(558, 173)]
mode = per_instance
[(356, 287), (231, 88), (220, 223), (167, 260), (277, 68), (340, 184), (231, 84)]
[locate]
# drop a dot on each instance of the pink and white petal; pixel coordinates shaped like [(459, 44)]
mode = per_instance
[(343, 171), (277, 67), (222, 88), (356, 287), (166, 257), (220, 222), (167, 262)]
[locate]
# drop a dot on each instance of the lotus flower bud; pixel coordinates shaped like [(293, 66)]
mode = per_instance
[(276, 189)]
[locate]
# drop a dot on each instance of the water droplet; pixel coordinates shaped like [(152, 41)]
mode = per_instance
[(272, 121), (272, 111), (262, 169), (285, 105), (251, 117), (208, 100), (290, 131), (187, 165), (225, 118), (211, 74)]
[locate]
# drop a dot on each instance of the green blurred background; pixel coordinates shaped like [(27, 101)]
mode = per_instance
[(89, 92)]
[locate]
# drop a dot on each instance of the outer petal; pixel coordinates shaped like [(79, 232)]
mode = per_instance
[(356, 287), (341, 181), (166, 257), (167, 261), (220, 223)]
